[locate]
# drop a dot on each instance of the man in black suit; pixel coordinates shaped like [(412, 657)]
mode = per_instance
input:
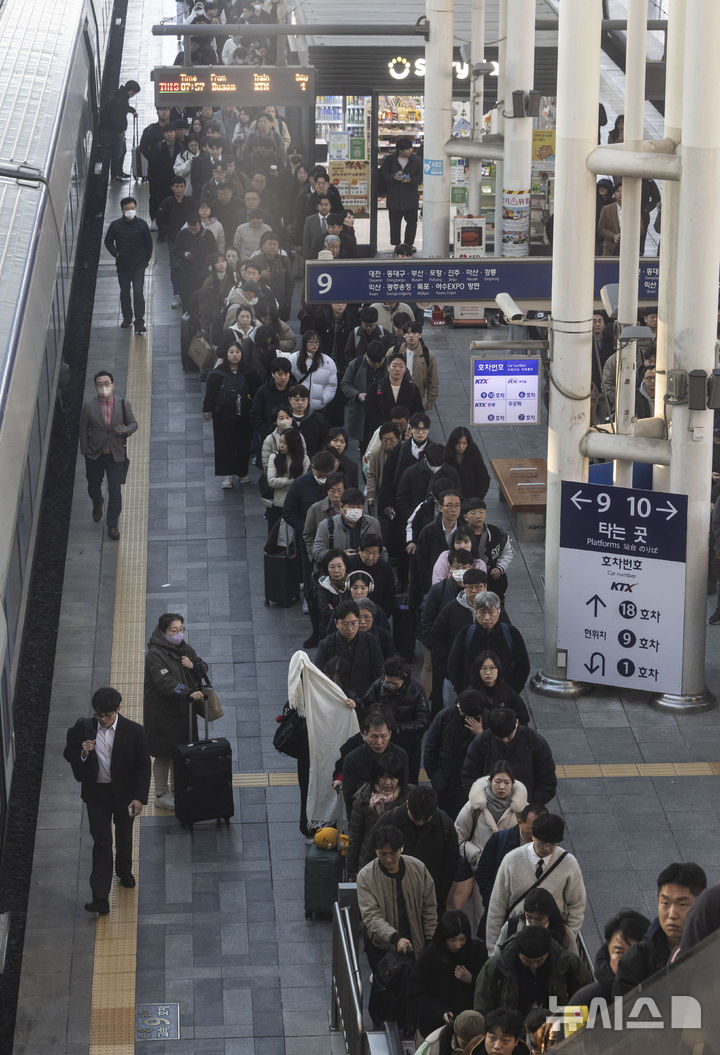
[(105, 424), (316, 229), (110, 759)]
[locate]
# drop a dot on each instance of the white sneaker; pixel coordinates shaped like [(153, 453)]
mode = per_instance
[(227, 483), (243, 479), (166, 801), (153, 225), (175, 302)]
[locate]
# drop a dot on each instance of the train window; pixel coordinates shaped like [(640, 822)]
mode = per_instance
[(43, 400), (7, 754), (35, 451), (13, 595), (25, 520)]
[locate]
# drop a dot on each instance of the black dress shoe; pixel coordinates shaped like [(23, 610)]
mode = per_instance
[(126, 324), (113, 533), (98, 511), (141, 328), (127, 881), (99, 905)]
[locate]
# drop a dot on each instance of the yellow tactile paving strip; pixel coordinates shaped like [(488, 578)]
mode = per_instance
[(112, 1022)]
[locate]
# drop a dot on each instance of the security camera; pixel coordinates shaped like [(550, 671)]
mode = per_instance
[(609, 297), (508, 307), (483, 69)]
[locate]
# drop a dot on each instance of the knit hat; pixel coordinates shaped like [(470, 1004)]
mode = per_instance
[(468, 1024), (533, 942)]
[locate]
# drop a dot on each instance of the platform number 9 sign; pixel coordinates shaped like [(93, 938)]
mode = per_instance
[(324, 282)]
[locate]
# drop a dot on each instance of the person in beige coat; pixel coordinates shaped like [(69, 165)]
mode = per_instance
[(378, 899), (421, 363)]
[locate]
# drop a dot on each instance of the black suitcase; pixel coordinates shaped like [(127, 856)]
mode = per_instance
[(404, 627), (324, 869), (283, 575), (203, 779)]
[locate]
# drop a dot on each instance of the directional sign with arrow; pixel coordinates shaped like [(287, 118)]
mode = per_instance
[(615, 542)]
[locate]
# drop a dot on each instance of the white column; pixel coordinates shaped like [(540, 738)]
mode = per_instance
[(438, 126), (697, 264), (477, 54), (630, 233), (572, 293), (500, 122), (519, 73), (675, 61)]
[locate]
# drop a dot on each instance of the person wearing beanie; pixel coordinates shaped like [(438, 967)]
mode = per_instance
[(363, 374), (530, 970), (452, 1039), (374, 621)]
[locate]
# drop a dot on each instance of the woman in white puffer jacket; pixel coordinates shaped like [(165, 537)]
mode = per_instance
[(316, 371)]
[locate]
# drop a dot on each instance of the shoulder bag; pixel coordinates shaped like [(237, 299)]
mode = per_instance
[(537, 883), (291, 730), (210, 708)]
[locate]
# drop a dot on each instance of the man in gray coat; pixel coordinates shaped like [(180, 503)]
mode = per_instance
[(105, 424)]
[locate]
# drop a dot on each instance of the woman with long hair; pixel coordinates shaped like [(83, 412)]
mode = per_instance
[(386, 790), (286, 465), (463, 453), (463, 539), (228, 394), (486, 676), (337, 441), (442, 980), (318, 372)]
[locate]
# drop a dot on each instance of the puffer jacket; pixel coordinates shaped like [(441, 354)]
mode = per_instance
[(409, 707), (475, 823), (321, 382), (166, 693)]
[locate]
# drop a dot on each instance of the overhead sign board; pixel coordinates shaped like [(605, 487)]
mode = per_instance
[(505, 391), (622, 586), (528, 280), (234, 85)]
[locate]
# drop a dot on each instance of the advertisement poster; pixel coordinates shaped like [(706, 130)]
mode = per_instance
[(338, 146), (543, 151), (352, 179), (357, 148), (516, 223)]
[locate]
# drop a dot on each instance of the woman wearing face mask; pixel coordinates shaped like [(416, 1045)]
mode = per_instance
[(211, 298), (286, 465), (493, 804), (442, 979), (386, 790), (486, 676), (331, 587), (316, 371), (463, 539), (399, 694), (173, 678), (228, 394)]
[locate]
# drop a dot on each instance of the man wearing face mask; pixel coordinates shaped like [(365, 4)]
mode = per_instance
[(105, 424), (347, 527), (399, 694), (128, 239)]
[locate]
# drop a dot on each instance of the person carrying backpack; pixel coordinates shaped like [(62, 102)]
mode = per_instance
[(228, 395)]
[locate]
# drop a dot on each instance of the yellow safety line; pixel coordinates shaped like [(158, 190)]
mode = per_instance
[(112, 1021)]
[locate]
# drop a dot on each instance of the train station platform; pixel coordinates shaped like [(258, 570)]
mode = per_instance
[(216, 922)]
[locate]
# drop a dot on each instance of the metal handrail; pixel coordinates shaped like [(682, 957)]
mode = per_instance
[(346, 983), (584, 954)]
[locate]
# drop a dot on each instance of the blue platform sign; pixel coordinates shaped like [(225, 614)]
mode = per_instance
[(527, 280), (621, 596)]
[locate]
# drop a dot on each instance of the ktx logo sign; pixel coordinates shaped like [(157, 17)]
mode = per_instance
[(623, 587)]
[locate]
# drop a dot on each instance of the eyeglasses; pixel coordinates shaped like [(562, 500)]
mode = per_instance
[(487, 670)]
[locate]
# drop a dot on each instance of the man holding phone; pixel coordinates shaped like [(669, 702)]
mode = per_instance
[(399, 180), (105, 424), (110, 759)]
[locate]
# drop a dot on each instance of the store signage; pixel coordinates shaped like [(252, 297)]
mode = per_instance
[(528, 280), (621, 596), (400, 68), (433, 166), (506, 391), (242, 85)]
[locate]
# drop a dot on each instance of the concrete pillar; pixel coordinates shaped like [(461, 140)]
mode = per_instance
[(675, 61), (572, 294), (630, 240), (477, 54), (519, 75), (697, 265), (438, 126)]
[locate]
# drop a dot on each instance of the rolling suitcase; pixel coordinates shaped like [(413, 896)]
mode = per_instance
[(283, 575), (203, 779), (323, 871), (404, 627)]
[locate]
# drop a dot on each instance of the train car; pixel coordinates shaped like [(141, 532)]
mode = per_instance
[(52, 54)]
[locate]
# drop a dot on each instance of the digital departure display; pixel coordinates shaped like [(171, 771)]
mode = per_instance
[(239, 85)]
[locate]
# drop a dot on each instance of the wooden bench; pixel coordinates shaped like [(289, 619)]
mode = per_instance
[(523, 485)]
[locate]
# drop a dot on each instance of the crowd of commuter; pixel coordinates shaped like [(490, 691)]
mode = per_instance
[(471, 906)]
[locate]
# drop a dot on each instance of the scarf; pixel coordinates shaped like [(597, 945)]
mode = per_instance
[(380, 801), (417, 451), (497, 806)]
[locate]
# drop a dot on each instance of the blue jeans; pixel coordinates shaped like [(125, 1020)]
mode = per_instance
[(135, 277), (95, 470)]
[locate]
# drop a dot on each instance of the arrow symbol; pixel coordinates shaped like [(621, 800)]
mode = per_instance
[(576, 500), (669, 508), (595, 600), (592, 667)]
